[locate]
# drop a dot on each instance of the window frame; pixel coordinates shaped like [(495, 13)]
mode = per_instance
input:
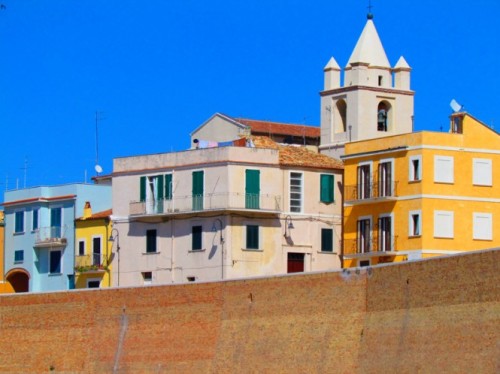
[(35, 219), (385, 183), (477, 227), (293, 208), (147, 278), (19, 221), (443, 229), (324, 247), (21, 259), (364, 181), (252, 235), (367, 248), (84, 242), (151, 241), (411, 223), (477, 177), (411, 169), (441, 173), (196, 238), (51, 252), (326, 194)]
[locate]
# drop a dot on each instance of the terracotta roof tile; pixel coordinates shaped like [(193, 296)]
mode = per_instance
[(279, 128), (98, 215), (290, 155)]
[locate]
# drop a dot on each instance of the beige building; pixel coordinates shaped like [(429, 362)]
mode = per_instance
[(224, 212), (373, 101)]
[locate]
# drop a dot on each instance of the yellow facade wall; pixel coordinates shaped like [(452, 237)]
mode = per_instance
[(86, 231)]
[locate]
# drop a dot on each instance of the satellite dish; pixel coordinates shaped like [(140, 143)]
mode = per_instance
[(456, 106), (98, 169)]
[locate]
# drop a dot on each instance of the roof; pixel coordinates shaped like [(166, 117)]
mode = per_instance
[(369, 48), (98, 215), (280, 128), (293, 155)]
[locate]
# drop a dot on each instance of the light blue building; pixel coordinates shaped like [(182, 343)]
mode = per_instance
[(40, 233)]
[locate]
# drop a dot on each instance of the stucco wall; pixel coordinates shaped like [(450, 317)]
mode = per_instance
[(437, 315)]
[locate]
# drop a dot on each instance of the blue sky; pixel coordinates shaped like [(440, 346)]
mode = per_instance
[(157, 69)]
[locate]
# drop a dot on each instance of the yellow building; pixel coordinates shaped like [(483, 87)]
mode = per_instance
[(93, 249), (422, 194)]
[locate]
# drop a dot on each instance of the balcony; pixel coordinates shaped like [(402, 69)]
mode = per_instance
[(50, 237), (207, 202), (90, 264), (370, 248), (371, 191)]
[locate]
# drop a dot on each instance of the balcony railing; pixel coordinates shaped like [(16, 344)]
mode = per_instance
[(371, 190), (51, 236), (373, 245), (89, 263), (215, 201)]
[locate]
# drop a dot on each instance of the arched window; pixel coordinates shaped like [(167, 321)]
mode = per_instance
[(383, 116), (341, 116)]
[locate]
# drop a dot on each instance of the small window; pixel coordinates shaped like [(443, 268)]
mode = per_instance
[(482, 172), (191, 279), (326, 240), (197, 238), (19, 256), (34, 222), (55, 262), (296, 192), (415, 223), (443, 224), (482, 226), (364, 263), (443, 169), (93, 283), (415, 169), (380, 80), (81, 247), (326, 188), (147, 277), (19, 224), (252, 237), (150, 241)]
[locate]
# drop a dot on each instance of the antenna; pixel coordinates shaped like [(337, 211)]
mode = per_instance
[(25, 169), (456, 106), (98, 117), (370, 6)]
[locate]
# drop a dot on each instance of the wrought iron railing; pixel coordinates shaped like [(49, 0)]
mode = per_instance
[(90, 263), (371, 245), (213, 201), (371, 190)]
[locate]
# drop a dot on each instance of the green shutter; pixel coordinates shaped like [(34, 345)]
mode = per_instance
[(326, 188), (197, 190), (168, 186), (252, 237), (252, 189), (326, 240), (161, 188), (142, 195)]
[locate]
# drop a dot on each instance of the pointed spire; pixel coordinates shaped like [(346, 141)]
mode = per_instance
[(369, 49), (401, 64), (332, 65)]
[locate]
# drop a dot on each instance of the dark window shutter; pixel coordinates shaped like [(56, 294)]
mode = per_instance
[(252, 189), (142, 195), (161, 188), (168, 186), (326, 240), (326, 188), (196, 235)]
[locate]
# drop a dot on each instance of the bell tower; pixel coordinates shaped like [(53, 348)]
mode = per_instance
[(374, 100)]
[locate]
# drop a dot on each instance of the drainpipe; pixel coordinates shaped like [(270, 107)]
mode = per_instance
[(172, 232)]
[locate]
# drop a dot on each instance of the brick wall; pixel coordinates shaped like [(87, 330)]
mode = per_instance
[(438, 315)]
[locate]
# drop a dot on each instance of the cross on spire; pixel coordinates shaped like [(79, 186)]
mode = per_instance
[(370, 6)]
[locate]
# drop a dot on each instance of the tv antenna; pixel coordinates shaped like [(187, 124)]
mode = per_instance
[(99, 116)]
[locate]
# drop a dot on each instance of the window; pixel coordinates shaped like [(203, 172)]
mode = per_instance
[(364, 263), (364, 183), (252, 241), (93, 283), (443, 169), (152, 192), (415, 223), (382, 114), (296, 192), (196, 232), (19, 256), (384, 234), (34, 221), (151, 241), (482, 226), (96, 251), (385, 179), (55, 262), (169, 187), (19, 224), (482, 172), (81, 247), (326, 188), (457, 125), (380, 80), (197, 189), (326, 240), (415, 169), (252, 189), (147, 277), (363, 238), (443, 224)]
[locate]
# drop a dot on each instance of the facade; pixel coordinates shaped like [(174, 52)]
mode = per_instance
[(5, 287), (40, 234), (422, 194), (225, 212), (93, 249), (374, 100), (221, 128)]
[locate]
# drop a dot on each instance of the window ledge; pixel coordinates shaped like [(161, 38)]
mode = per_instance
[(19, 233), (18, 262), (55, 274), (415, 181), (196, 250), (482, 240), (328, 252), (150, 253), (414, 236), (252, 250)]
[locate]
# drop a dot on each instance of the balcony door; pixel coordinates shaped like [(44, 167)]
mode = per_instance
[(252, 189), (385, 179), (363, 239), (198, 190), (384, 234), (364, 184), (96, 251), (55, 222)]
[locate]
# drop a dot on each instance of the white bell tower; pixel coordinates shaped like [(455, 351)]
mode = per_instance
[(374, 101)]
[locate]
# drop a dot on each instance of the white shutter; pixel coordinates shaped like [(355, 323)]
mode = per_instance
[(482, 172), (443, 224), (443, 169), (482, 226)]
